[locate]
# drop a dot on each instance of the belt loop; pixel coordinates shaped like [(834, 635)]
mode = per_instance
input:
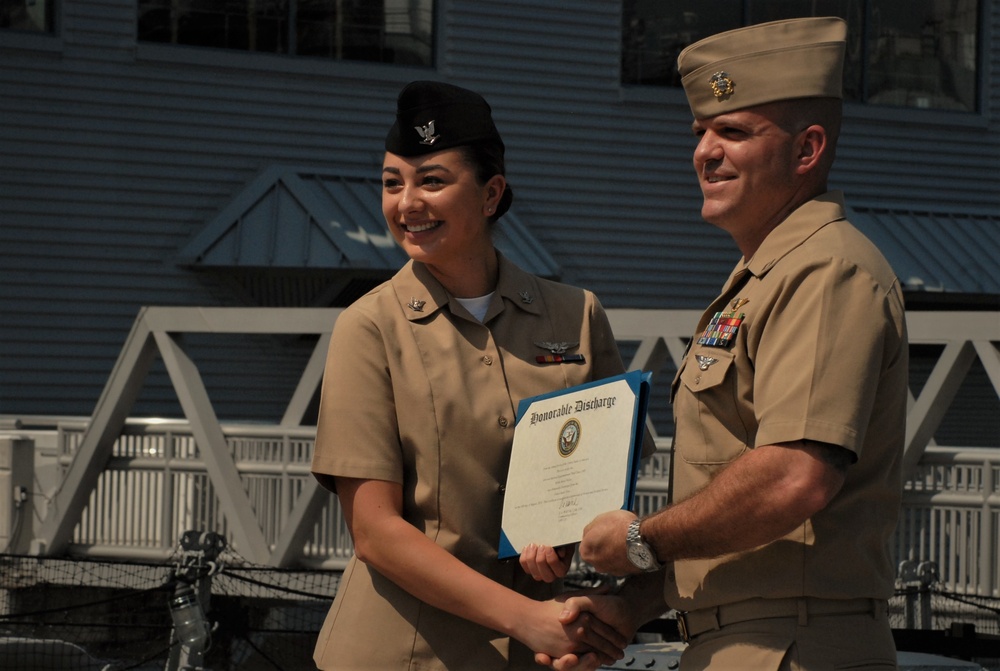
[(716, 619), (803, 611)]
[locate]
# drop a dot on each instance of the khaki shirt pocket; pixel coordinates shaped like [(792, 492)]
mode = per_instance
[(709, 430)]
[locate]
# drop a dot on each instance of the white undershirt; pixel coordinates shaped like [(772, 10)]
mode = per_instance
[(477, 306)]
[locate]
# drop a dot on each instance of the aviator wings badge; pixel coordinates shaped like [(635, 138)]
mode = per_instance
[(705, 361), (556, 347)]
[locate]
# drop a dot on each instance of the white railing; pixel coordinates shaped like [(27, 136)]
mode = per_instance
[(155, 487), (130, 488), (951, 516)]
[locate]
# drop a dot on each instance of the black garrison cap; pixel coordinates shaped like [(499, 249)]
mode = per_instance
[(431, 116)]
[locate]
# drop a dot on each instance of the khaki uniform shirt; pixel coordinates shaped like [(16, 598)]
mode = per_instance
[(416, 391), (821, 354)]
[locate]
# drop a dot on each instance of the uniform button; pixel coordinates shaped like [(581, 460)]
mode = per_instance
[(697, 380), (503, 422), (488, 360), (502, 489)]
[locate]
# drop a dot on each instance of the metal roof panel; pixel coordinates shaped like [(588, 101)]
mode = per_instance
[(295, 218), (935, 251)]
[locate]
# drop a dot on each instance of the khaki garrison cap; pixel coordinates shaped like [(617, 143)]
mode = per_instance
[(780, 60)]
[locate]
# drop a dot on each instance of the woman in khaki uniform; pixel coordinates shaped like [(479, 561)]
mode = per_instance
[(418, 407)]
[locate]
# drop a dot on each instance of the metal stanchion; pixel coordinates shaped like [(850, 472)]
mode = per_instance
[(191, 637)]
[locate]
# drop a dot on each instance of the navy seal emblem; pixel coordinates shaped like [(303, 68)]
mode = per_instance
[(569, 437)]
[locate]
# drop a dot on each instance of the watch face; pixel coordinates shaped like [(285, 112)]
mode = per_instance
[(639, 555)]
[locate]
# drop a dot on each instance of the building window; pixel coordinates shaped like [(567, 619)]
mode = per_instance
[(390, 31), (34, 16), (920, 53)]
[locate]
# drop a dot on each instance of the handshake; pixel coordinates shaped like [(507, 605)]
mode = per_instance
[(592, 626)]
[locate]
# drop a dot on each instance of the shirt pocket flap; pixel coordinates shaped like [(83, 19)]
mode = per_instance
[(706, 368)]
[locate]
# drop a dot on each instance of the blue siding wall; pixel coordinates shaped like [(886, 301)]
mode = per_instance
[(114, 154)]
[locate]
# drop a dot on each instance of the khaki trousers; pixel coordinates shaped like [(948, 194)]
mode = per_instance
[(819, 642)]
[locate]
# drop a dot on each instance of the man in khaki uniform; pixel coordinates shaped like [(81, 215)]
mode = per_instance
[(790, 403)]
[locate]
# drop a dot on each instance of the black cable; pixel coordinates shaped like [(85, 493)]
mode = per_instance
[(277, 588), (967, 601)]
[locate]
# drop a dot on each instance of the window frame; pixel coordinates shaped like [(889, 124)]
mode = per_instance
[(154, 50), (54, 7), (40, 41), (640, 92)]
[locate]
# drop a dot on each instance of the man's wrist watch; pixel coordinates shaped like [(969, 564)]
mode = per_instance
[(639, 552)]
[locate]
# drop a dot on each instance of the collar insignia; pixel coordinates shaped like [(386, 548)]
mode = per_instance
[(526, 297), (556, 347), (427, 135), (705, 361), (722, 85), (415, 305)]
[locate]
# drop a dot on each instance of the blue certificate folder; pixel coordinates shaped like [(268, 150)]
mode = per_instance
[(576, 454)]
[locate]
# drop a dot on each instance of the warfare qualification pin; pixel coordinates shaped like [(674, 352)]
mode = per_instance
[(558, 352), (722, 85), (705, 361), (737, 303), (556, 347)]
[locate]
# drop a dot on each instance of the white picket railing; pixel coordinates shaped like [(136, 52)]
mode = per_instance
[(951, 516), (155, 487), (130, 488)]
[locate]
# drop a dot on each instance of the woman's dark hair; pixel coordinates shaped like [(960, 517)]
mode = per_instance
[(487, 159)]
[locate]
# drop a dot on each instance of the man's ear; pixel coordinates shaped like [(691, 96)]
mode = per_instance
[(812, 148)]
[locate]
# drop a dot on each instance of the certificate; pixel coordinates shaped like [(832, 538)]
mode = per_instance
[(576, 455)]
